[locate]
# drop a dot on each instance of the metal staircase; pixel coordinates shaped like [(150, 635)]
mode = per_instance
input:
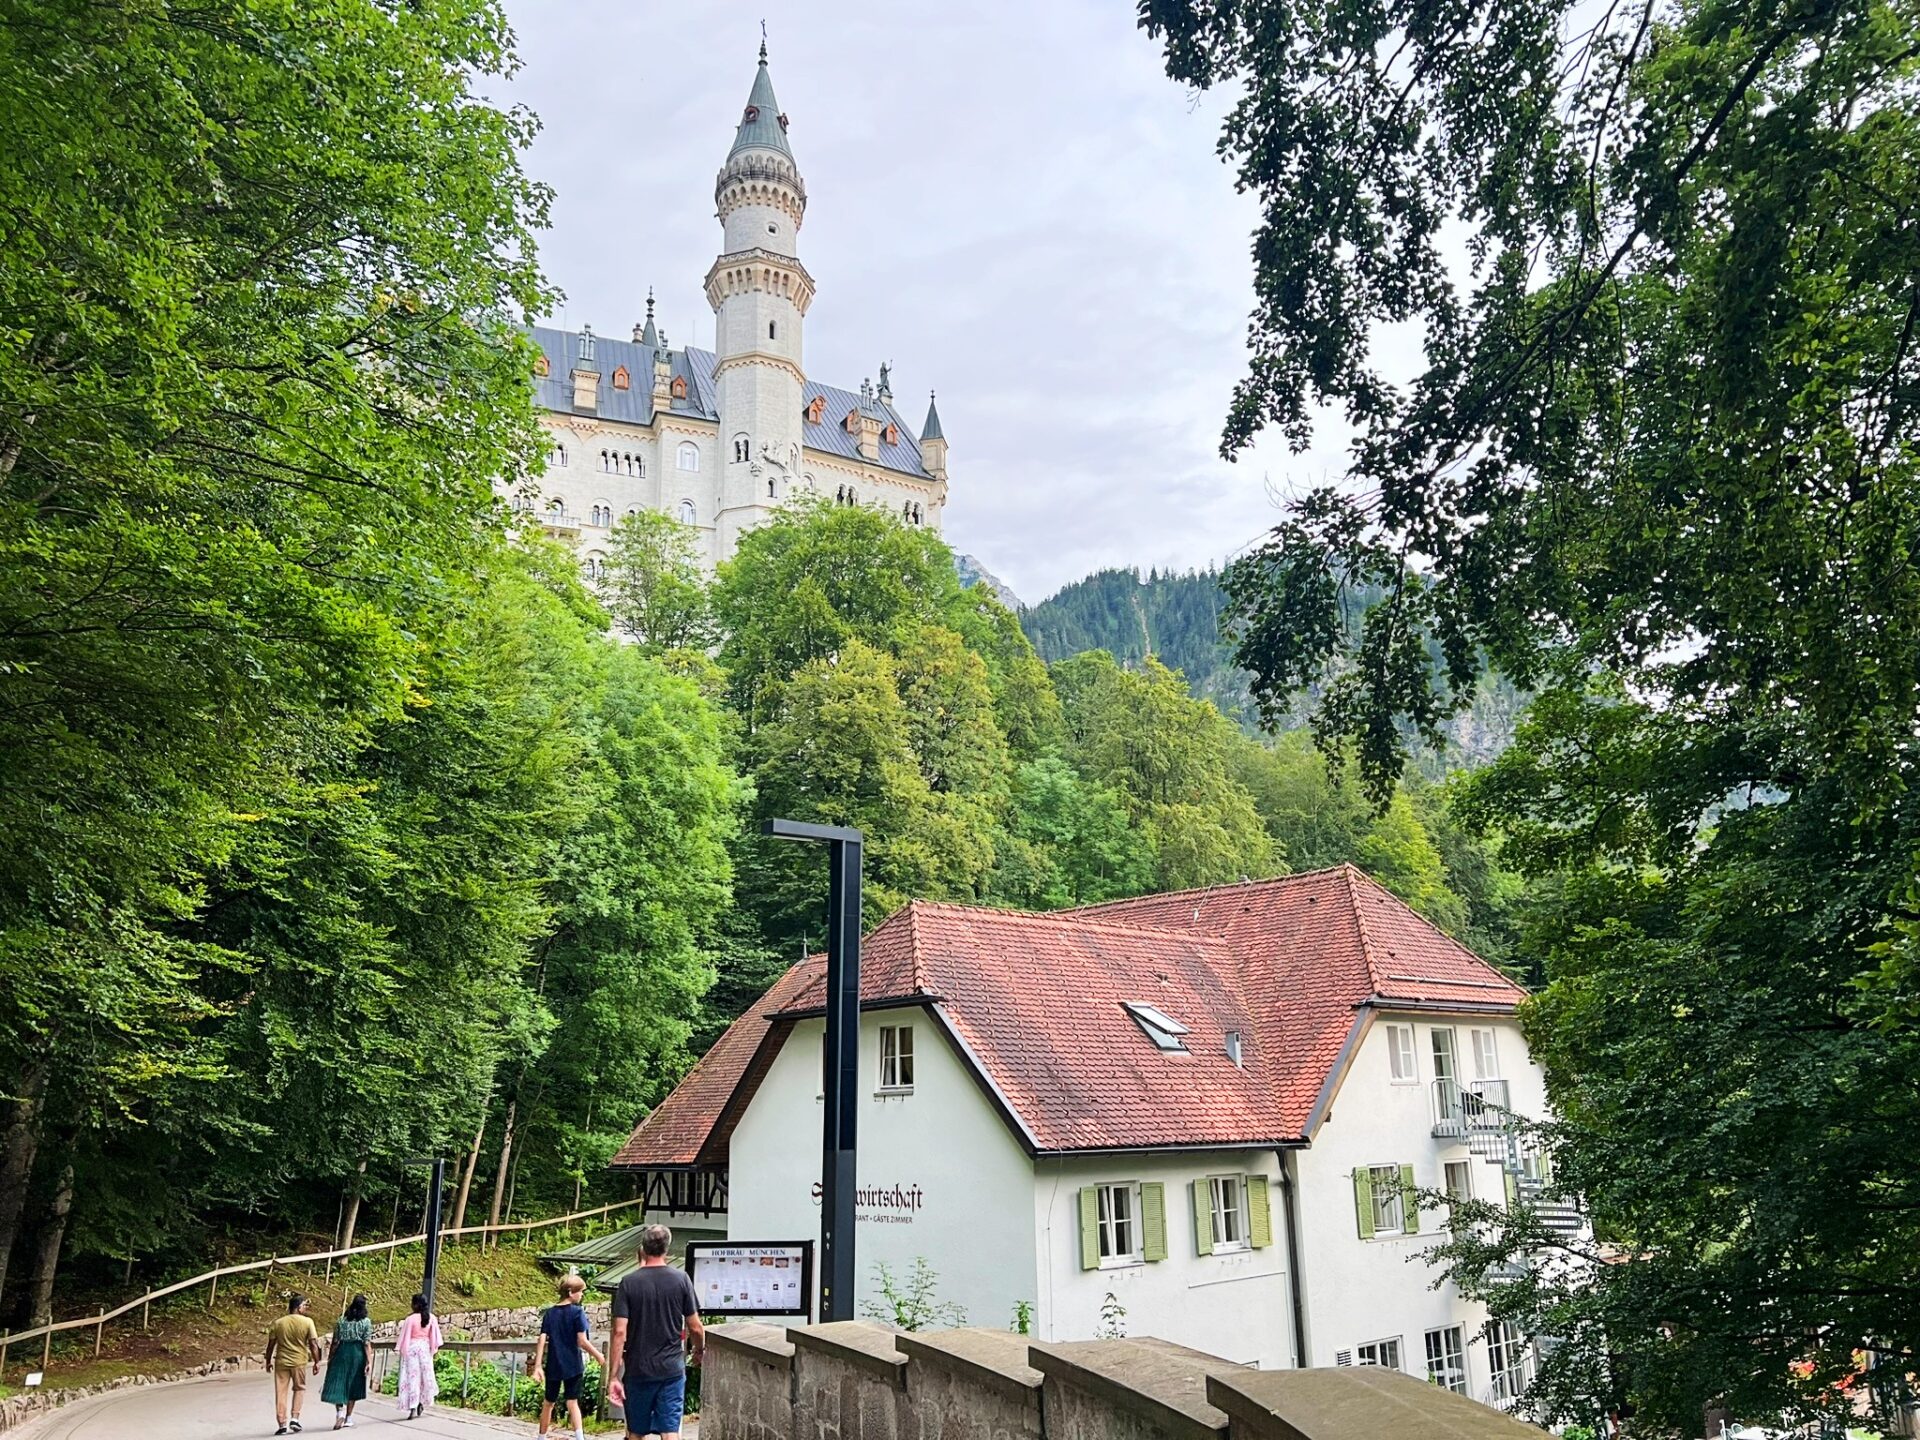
[(1480, 1113)]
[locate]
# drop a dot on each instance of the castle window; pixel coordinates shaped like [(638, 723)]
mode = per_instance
[(772, 325), (540, 366), (679, 387), (893, 434), (596, 566), (640, 466), (816, 409), (688, 456), (742, 448), (689, 513), (770, 492), (559, 455), (632, 510), (620, 378)]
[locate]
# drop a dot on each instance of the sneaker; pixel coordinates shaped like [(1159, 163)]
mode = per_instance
[(281, 1431), (294, 1425)]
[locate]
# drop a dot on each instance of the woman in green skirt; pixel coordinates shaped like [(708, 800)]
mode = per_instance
[(349, 1362)]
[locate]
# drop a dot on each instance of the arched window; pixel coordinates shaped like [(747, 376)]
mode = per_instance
[(893, 434), (556, 508), (839, 494), (770, 329), (679, 387), (688, 455), (640, 466), (596, 566), (742, 449), (918, 518), (770, 492), (558, 456), (689, 513), (632, 510), (620, 379)]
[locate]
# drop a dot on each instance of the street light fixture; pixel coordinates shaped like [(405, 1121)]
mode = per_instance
[(436, 1184), (841, 1061)]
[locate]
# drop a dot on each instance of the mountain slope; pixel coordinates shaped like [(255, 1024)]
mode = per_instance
[(1177, 618)]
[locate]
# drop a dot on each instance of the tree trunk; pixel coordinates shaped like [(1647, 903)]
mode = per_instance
[(467, 1176), (46, 1262), (500, 1175), (19, 1142), (353, 1208)]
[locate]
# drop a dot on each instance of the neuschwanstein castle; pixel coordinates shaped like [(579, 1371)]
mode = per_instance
[(721, 438)]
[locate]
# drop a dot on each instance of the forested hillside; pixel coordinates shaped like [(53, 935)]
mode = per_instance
[(1175, 616)]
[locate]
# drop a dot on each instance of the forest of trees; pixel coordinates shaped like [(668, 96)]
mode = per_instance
[(1187, 621)]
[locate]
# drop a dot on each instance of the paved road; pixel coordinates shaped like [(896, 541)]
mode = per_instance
[(239, 1407)]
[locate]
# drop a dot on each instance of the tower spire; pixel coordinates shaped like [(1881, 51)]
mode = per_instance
[(762, 126)]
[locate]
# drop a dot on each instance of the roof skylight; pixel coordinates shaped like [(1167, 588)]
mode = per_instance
[(1161, 1028)]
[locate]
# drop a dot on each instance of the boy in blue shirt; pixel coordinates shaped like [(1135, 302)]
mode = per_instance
[(564, 1334)]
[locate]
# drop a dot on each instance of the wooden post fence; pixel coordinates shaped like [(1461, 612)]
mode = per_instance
[(211, 1279)]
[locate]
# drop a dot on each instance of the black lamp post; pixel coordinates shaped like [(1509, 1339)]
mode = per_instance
[(842, 1058), (436, 1183)]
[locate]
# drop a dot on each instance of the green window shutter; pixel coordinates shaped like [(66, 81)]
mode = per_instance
[(1409, 1202), (1259, 1213), (1363, 1201), (1153, 1221), (1202, 1217), (1513, 1189), (1090, 1227)]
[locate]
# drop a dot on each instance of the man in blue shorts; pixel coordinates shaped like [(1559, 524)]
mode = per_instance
[(654, 1312)]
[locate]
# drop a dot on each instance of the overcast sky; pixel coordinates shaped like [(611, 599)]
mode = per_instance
[(1009, 201)]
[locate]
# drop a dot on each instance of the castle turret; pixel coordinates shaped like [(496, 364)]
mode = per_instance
[(760, 292), (933, 444)]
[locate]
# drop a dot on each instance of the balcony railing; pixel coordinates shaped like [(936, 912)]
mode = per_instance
[(1462, 1110)]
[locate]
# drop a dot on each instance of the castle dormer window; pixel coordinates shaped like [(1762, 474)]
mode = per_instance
[(679, 387), (893, 434), (816, 409), (540, 366), (621, 380)]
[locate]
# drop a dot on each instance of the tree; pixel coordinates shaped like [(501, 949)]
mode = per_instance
[(654, 589), (259, 279), (1658, 469), (839, 752), (814, 577), (1142, 735), (1069, 842)]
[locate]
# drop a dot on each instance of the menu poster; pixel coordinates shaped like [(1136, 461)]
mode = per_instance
[(773, 1279)]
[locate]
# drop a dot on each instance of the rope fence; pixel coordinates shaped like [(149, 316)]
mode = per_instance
[(212, 1278)]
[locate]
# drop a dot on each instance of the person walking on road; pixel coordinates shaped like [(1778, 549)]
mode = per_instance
[(349, 1362), (292, 1345), (557, 1364), (654, 1313), (416, 1341)]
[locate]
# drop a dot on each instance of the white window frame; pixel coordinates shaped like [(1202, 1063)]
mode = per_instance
[(1465, 1170), (1403, 1064), (1485, 1066), (1227, 1197), (689, 513), (1447, 1358), (1388, 1200), (1385, 1354), (687, 452), (1115, 1227), (896, 1077), (1509, 1360)]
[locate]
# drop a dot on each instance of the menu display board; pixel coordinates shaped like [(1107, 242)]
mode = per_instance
[(752, 1279)]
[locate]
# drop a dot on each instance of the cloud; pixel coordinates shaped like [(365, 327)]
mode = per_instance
[(1010, 202)]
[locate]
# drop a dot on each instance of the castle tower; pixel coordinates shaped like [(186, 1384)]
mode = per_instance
[(760, 292)]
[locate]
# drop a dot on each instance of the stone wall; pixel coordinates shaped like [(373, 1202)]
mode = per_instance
[(858, 1381)]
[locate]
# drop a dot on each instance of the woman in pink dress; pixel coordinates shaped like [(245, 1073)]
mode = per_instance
[(415, 1341)]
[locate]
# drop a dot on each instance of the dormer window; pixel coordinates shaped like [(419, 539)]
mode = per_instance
[(893, 434), (679, 387), (621, 380), (816, 409), (853, 422), (1161, 1028), (540, 366)]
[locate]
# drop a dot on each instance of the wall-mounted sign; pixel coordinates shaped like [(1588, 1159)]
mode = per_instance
[(885, 1204), (749, 1279)]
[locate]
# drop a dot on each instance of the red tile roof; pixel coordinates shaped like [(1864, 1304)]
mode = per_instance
[(1037, 1002)]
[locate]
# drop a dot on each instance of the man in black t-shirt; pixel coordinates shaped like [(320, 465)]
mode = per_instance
[(653, 1310)]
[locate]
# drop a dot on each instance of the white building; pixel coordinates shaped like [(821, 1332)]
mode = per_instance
[(1196, 1116), (723, 437)]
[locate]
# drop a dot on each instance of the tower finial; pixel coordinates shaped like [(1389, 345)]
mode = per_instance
[(649, 302), (763, 42)]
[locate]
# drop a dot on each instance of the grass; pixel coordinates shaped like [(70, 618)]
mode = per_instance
[(184, 1332)]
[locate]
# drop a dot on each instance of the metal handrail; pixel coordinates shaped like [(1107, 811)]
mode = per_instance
[(212, 1278)]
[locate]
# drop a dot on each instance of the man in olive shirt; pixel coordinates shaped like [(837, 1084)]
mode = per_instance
[(292, 1344), (653, 1308)]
